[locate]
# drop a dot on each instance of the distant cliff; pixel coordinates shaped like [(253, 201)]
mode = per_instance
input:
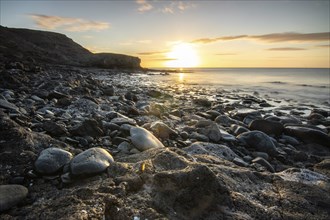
[(49, 47)]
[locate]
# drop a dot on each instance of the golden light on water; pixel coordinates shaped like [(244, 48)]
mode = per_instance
[(183, 55), (181, 77)]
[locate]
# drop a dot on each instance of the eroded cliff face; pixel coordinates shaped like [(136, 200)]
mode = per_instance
[(111, 60), (54, 48)]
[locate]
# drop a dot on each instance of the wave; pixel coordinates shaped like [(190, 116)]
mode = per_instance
[(303, 85)]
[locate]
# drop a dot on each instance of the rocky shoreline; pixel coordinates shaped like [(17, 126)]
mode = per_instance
[(87, 143)]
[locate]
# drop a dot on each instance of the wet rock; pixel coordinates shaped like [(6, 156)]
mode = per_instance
[(92, 161), (237, 129), (154, 93), (57, 95), (322, 112), (123, 120), (54, 129), (203, 123), (323, 167), (289, 140), (213, 132), (84, 105), (161, 130), (213, 114), (125, 147), (268, 127), (89, 127), (191, 193), (225, 120), (240, 114), (198, 137), (7, 105), (308, 135), (11, 195), (216, 150), (259, 141), (109, 91), (203, 102), (265, 163), (238, 161), (52, 160), (143, 140)]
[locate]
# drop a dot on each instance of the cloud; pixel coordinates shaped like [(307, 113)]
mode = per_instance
[(323, 46), (68, 24), (272, 38), (152, 53), (179, 6), (167, 7), (286, 48), (143, 6), (212, 40), (292, 36)]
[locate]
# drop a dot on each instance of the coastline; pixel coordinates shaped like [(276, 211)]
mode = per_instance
[(219, 149)]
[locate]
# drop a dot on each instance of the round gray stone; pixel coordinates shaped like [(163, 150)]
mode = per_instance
[(92, 161), (51, 160), (143, 140), (11, 195)]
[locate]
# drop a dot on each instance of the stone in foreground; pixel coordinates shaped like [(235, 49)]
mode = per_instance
[(51, 160), (92, 161), (259, 141), (216, 150), (143, 140), (11, 195)]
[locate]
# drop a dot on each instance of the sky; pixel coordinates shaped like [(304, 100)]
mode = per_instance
[(187, 33)]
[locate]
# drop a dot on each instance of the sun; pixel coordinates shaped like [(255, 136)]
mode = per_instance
[(182, 55)]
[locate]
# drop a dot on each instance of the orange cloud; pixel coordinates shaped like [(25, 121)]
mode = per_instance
[(272, 38), (144, 6), (286, 48), (68, 24)]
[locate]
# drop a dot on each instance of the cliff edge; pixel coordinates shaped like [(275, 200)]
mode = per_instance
[(55, 48)]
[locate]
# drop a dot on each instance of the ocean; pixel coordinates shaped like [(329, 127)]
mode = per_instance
[(301, 84)]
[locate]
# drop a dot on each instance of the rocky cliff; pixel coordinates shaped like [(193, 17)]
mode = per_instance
[(55, 48)]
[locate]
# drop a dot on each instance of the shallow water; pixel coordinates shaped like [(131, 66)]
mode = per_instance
[(307, 85)]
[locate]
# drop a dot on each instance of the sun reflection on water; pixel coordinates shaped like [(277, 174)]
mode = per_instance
[(181, 77)]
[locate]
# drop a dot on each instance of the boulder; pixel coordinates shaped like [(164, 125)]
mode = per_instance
[(308, 135), (11, 195), (143, 140), (92, 161), (267, 126), (51, 160), (89, 127), (259, 141), (161, 130)]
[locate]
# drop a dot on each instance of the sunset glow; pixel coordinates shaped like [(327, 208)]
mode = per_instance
[(212, 33), (182, 55)]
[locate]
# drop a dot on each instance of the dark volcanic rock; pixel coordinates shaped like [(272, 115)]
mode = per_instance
[(92, 161), (308, 135), (54, 129), (11, 195), (191, 193), (268, 127), (89, 127), (51, 160), (216, 150), (258, 140)]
